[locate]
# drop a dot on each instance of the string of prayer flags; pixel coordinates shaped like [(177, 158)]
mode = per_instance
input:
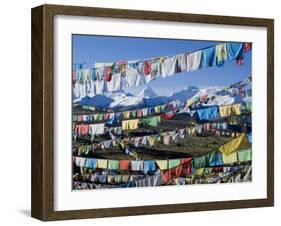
[(113, 76), (165, 138), (142, 112), (177, 176), (210, 159), (215, 112)]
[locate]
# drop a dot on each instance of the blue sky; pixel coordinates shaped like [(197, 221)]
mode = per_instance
[(91, 48)]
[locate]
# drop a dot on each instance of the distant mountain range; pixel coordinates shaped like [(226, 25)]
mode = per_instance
[(146, 98), (120, 100)]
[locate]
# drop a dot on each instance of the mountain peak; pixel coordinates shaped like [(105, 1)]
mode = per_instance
[(147, 92), (184, 94)]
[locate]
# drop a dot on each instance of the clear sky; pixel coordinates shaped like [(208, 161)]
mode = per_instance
[(92, 48)]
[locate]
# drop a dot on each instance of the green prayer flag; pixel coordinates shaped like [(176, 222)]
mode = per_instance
[(245, 155), (173, 163), (113, 164), (134, 113), (100, 117), (152, 121), (199, 162), (247, 107)]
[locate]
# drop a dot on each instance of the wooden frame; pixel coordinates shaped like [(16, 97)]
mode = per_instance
[(42, 112)]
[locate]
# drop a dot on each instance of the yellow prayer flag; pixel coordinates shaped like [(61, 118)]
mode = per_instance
[(221, 52), (96, 116), (192, 131), (102, 163), (126, 114), (229, 110), (122, 143), (199, 171), (130, 124), (234, 145), (157, 109), (162, 164), (152, 141), (231, 158), (189, 102)]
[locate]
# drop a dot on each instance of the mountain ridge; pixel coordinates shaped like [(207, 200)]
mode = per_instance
[(147, 97)]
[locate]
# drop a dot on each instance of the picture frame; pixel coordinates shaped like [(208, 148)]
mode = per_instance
[(43, 108)]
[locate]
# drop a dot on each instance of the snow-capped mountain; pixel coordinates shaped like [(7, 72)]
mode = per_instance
[(126, 101), (185, 94), (220, 96), (147, 92), (109, 99), (210, 91), (146, 98), (100, 101)]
